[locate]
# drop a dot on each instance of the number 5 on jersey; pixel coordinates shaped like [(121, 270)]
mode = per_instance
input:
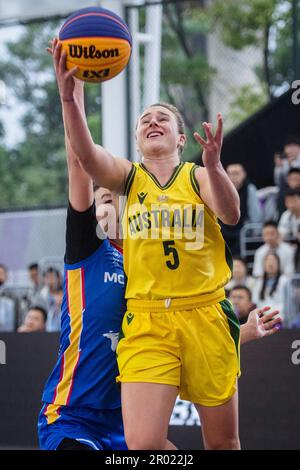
[(170, 250)]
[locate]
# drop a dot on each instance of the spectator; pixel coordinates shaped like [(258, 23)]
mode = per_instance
[(32, 294), (54, 313), (4, 289), (297, 253), (292, 182), (289, 159), (52, 282), (241, 299), (290, 219), (273, 243), (8, 303), (270, 289), (240, 275), (7, 314), (35, 320), (250, 206), (35, 278)]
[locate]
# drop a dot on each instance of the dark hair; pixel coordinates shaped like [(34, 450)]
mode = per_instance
[(292, 192), (3, 267), (41, 310), (244, 288), (33, 266), (265, 278), (242, 260), (294, 170), (95, 186), (51, 269), (292, 139), (270, 223)]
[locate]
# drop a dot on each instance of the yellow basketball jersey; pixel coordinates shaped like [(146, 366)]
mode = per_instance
[(173, 246)]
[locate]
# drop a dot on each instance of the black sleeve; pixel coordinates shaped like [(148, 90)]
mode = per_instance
[(81, 236)]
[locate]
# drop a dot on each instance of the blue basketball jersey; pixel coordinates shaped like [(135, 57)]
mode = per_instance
[(92, 310)]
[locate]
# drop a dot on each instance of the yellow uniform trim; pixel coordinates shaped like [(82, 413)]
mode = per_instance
[(184, 303), (171, 180), (72, 353), (51, 413)]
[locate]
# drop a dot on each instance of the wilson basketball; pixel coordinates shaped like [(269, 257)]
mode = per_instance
[(97, 41)]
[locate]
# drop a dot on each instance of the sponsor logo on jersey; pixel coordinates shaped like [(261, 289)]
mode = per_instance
[(114, 338), (114, 277), (162, 198), (129, 318), (142, 196)]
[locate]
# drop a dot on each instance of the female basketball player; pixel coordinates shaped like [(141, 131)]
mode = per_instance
[(180, 333)]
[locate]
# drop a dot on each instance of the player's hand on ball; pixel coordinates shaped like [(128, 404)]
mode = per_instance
[(212, 146), (65, 78)]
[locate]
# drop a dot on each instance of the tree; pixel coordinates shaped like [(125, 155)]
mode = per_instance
[(186, 74), (266, 24), (37, 164)]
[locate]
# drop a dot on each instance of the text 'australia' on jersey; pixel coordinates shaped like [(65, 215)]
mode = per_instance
[(173, 246)]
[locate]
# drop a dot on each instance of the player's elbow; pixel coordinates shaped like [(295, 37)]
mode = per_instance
[(86, 156), (232, 217)]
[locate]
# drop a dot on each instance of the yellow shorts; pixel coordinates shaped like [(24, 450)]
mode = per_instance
[(195, 349)]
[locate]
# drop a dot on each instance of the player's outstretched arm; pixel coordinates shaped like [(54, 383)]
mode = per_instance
[(81, 194), (102, 167), (260, 325), (216, 189), (80, 183)]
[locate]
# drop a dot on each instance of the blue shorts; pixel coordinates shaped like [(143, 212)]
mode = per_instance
[(99, 429)]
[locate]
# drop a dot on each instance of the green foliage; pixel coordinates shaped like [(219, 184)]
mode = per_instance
[(242, 22), (266, 24), (245, 103), (35, 172)]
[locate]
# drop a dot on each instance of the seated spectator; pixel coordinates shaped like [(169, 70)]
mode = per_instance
[(240, 275), (268, 199), (7, 314), (292, 182), (52, 282), (297, 253), (289, 159), (32, 294), (273, 243), (270, 289), (8, 303), (54, 313), (35, 278), (250, 206), (241, 299), (35, 320), (290, 219), (3, 278)]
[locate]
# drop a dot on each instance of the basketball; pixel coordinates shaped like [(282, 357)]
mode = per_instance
[(98, 42)]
